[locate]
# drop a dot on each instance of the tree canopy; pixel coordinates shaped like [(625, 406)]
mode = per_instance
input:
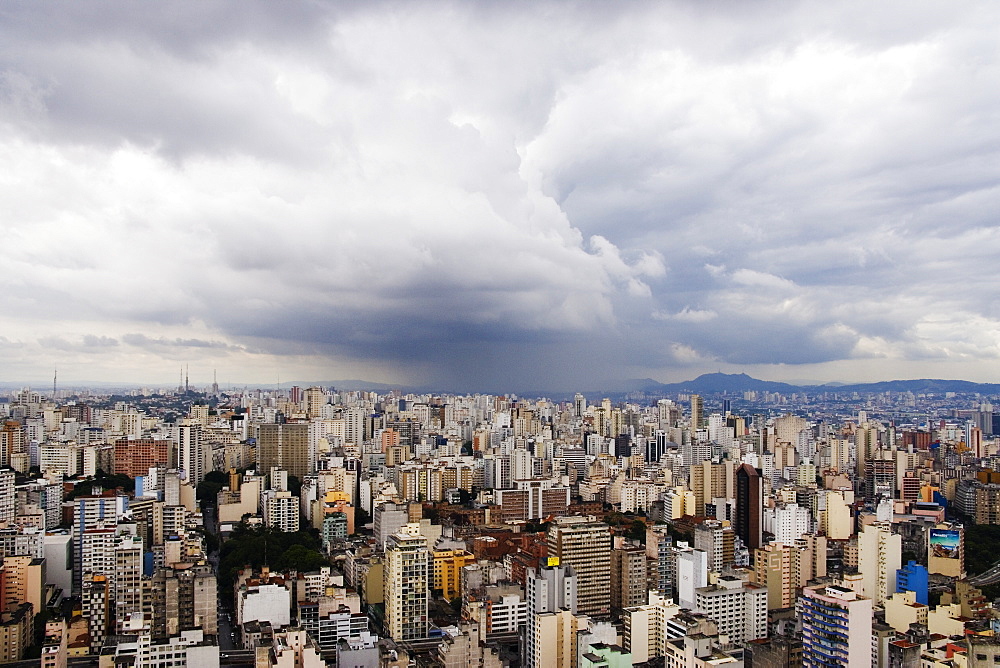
[(260, 546)]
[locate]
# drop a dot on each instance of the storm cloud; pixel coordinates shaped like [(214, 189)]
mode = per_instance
[(490, 195)]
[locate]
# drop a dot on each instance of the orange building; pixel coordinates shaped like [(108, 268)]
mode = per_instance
[(135, 457)]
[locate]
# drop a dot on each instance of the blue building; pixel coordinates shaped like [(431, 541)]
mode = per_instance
[(914, 577), (836, 627)]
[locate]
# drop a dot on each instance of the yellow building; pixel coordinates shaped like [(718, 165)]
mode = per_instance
[(17, 631), (772, 568), (902, 609), (23, 582), (552, 639), (448, 565)]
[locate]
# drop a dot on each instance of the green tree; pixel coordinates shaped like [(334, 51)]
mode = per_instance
[(263, 546), (361, 517), (302, 559), (217, 476), (208, 492), (637, 531)]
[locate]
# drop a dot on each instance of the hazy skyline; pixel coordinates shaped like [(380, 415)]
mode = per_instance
[(499, 195)]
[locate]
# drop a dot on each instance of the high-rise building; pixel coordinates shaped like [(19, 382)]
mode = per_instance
[(406, 584), (739, 609), (866, 443), (7, 496), (194, 456), (784, 569), (185, 598), (836, 627), (16, 631), (880, 479), (697, 412), (447, 568), (660, 553), (691, 573), (711, 480), (95, 602), (749, 506), (790, 522), (557, 632), (628, 577), (550, 588), (12, 440), (552, 623), (22, 580), (584, 544), (772, 567), (315, 398), (880, 554), (281, 511), (136, 456), (716, 539), (128, 580), (646, 627), (285, 446), (914, 578)]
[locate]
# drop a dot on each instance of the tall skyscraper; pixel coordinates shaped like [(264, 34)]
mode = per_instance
[(880, 555), (286, 446), (193, 454), (739, 609), (186, 599), (628, 577), (659, 548), (749, 506), (715, 538), (697, 412), (315, 399), (836, 627), (406, 584), (550, 588), (128, 580), (552, 623), (585, 544)]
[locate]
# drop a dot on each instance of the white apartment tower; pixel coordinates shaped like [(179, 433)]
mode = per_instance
[(281, 511), (790, 523), (193, 454), (880, 555), (7, 496), (739, 609)]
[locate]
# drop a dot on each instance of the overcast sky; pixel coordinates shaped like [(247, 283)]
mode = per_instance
[(489, 196)]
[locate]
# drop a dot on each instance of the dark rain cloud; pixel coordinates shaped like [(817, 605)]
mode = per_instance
[(545, 195)]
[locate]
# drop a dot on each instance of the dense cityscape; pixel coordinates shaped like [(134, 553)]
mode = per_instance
[(509, 334), (311, 526)]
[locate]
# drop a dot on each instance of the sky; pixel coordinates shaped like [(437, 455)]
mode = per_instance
[(499, 196)]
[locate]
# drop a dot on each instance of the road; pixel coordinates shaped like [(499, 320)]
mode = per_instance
[(987, 577), (227, 641)]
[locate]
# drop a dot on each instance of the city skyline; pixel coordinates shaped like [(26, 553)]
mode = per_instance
[(554, 196)]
